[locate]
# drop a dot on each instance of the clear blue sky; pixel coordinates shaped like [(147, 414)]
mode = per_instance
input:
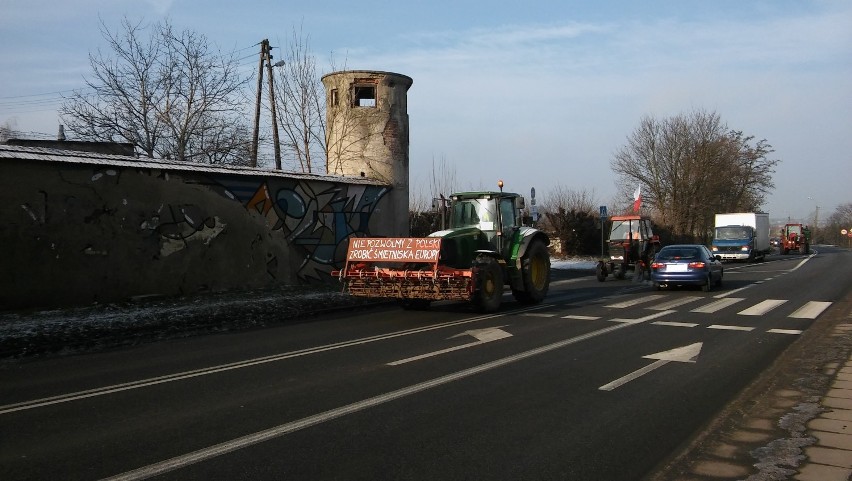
[(537, 93)]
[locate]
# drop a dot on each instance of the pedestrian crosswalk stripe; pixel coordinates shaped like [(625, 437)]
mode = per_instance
[(537, 314), (675, 303), (730, 328), (762, 308), (581, 318), (811, 310), (633, 302), (785, 331), (718, 305), (675, 324)]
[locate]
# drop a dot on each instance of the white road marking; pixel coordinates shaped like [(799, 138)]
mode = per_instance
[(674, 324), (675, 303), (811, 310), (726, 294), (581, 318), (718, 305), (482, 336), (537, 314), (641, 319), (101, 391), (730, 328), (635, 301), (785, 331), (283, 429), (681, 354), (762, 307)]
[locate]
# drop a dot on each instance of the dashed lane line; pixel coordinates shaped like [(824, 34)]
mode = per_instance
[(283, 429)]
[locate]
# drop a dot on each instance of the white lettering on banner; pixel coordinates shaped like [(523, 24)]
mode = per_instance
[(394, 250)]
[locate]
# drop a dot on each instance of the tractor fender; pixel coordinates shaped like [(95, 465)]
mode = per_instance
[(527, 236)]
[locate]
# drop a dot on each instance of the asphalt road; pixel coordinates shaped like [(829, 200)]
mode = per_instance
[(602, 381)]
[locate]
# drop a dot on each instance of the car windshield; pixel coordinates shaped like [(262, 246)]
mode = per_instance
[(679, 253)]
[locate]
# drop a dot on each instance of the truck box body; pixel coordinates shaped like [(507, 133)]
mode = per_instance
[(741, 236)]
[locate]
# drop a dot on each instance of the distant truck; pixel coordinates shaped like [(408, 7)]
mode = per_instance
[(741, 236)]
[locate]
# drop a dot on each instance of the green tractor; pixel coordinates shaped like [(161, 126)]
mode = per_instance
[(485, 248)]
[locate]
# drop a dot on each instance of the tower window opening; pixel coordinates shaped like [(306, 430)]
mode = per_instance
[(334, 98), (364, 95)]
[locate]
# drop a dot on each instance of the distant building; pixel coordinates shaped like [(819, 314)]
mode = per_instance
[(112, 148)]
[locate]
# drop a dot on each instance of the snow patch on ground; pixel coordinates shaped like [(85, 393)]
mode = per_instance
[(58, 330)]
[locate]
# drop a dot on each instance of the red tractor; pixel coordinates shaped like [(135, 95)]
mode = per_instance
[(632, 244), (795, 238)]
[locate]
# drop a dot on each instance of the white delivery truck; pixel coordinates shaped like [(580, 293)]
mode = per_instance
[(741, 236)]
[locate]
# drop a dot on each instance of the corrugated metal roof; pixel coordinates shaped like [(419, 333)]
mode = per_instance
[(42, 154)]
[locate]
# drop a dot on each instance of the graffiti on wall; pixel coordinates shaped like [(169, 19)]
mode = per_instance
[(183, 224), (317, 218)]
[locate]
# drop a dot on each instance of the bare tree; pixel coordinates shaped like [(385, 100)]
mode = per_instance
[(166, 93), (300, 105), (692, 166), (840, 220), (570, 215)]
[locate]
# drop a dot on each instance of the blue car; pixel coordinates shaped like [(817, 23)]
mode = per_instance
[(686, 265)]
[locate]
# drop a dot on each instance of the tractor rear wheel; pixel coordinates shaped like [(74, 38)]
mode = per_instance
[(489, 284), (535, 270)]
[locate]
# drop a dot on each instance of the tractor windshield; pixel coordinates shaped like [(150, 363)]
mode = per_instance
[(479, 213), (625, 229)]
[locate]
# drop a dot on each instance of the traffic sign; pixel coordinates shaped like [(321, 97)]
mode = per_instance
[(603, 212)]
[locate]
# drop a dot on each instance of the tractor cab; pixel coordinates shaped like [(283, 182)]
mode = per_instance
[(632, 243), (481, 221)]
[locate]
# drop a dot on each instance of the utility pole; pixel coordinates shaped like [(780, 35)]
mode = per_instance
[(264, 48), (265, 56)]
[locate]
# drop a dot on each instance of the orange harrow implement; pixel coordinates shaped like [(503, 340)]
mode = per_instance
[(402, 268)]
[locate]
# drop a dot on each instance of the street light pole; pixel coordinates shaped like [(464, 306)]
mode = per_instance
[(816, 218), (272, 107)]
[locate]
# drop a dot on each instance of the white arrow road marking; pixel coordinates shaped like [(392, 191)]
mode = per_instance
[(482, 336), (681, 354), (204, 454)]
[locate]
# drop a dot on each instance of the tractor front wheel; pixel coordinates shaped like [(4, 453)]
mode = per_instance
[(535, 269), (601, 272), (489, 284)]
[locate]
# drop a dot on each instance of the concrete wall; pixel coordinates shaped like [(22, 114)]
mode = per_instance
[(81, 229)]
